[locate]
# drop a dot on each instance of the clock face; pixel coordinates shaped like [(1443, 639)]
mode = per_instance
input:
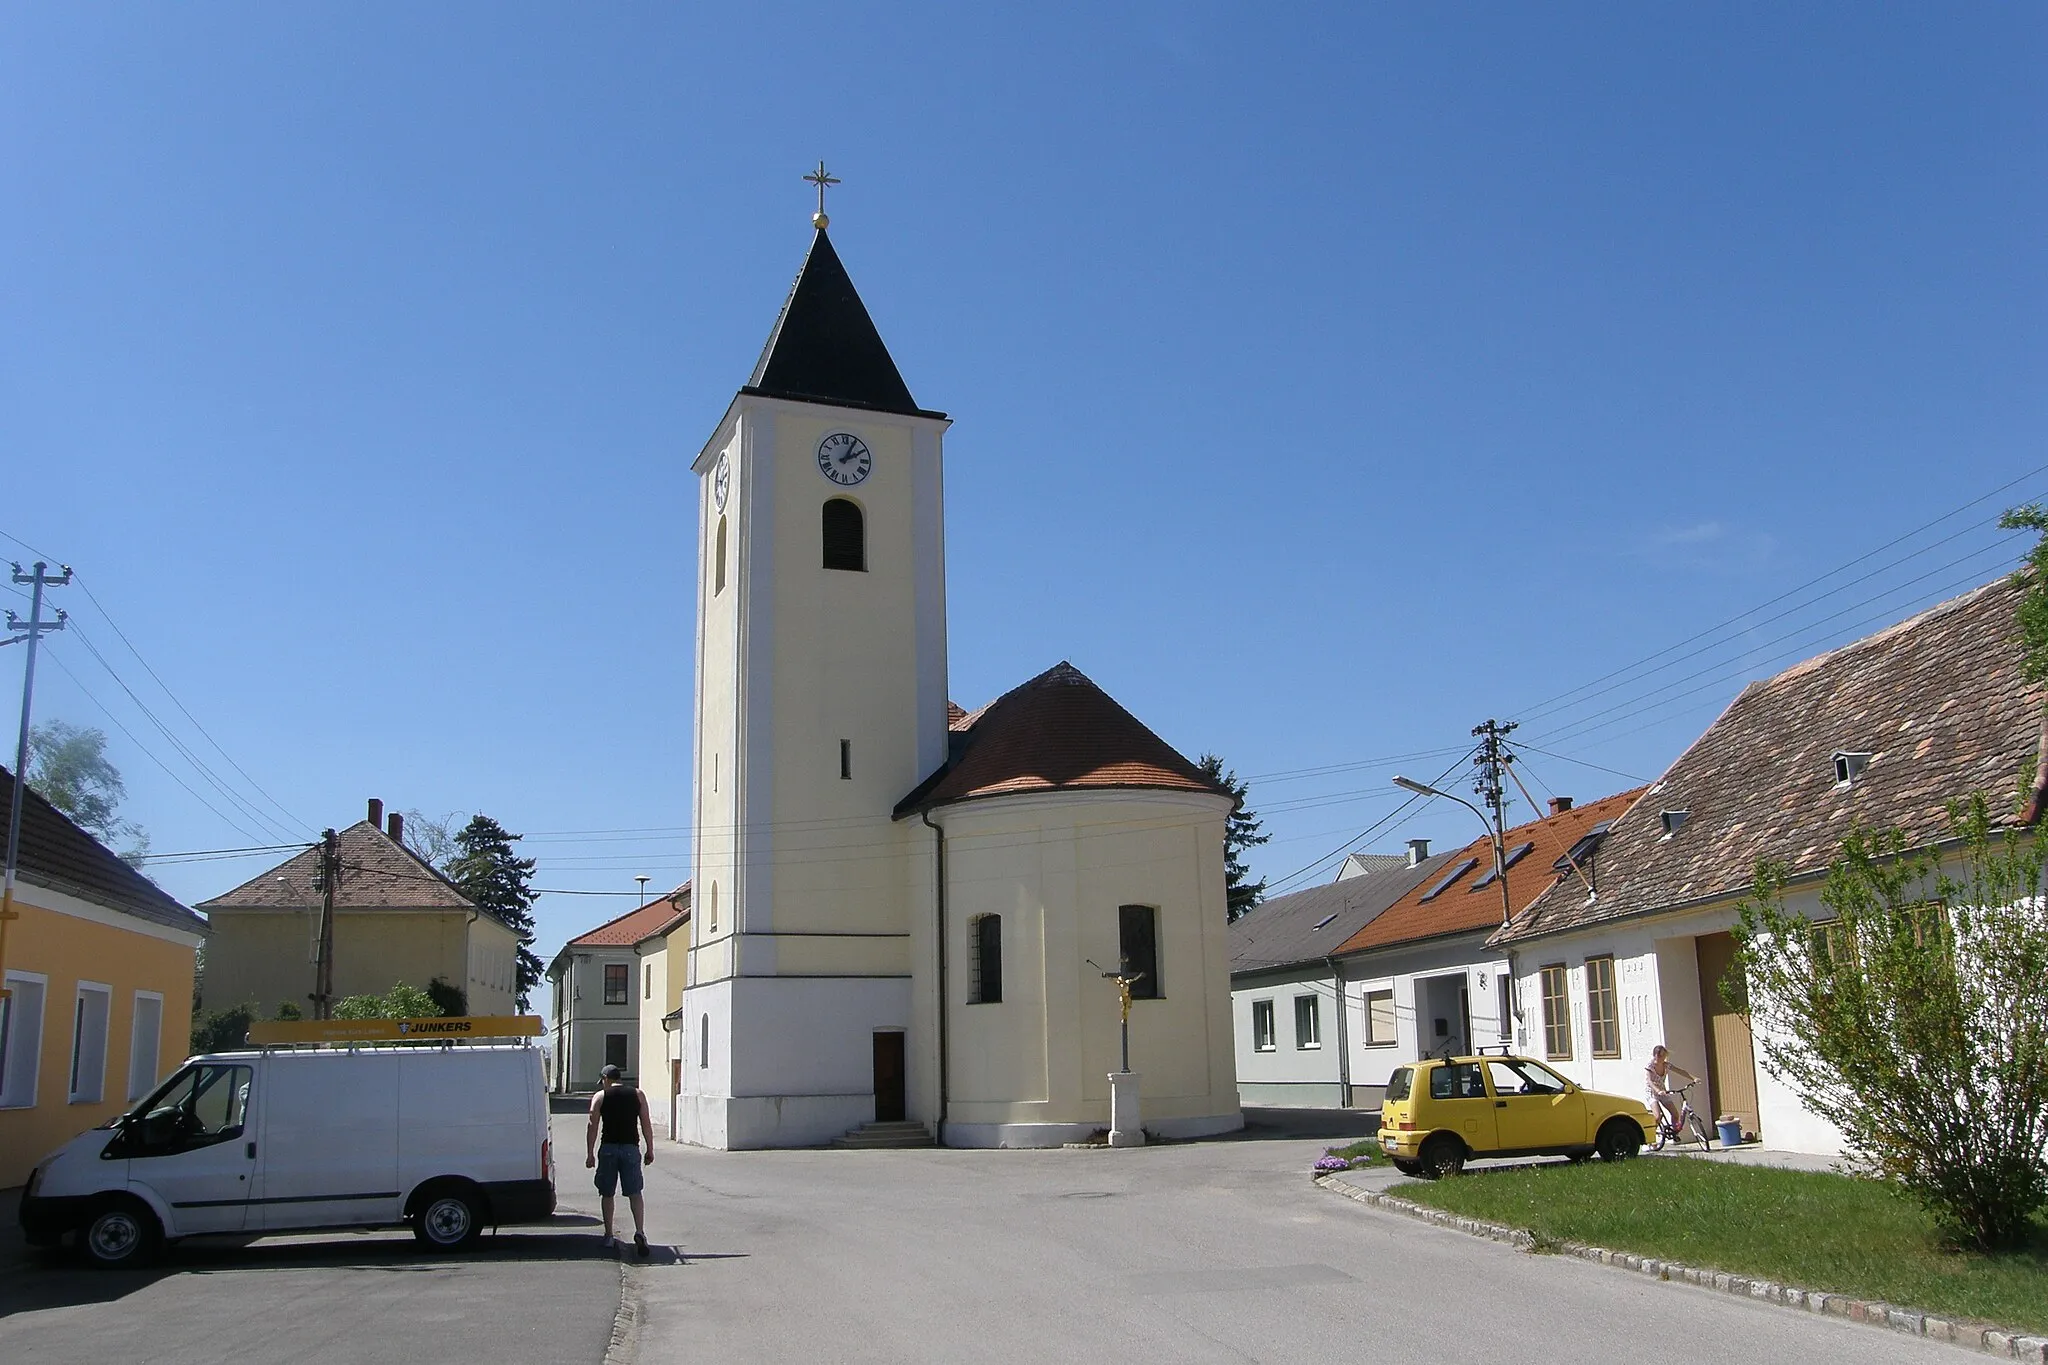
[(844, 458), (721, 481)]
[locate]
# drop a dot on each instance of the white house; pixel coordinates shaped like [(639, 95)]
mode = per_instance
[(1882, 732), (903, 912), (598, 989), (1421, 980), (661, 995), (1286, 1000)]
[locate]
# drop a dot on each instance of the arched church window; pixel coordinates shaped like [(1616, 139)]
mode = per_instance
[(1138, 941), (703, 1041), (718, 561), (985, 964), (846, 535)]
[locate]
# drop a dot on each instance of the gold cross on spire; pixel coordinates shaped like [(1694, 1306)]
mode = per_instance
[(821, 179)]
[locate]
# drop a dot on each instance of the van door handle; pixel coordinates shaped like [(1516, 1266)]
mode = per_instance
[(250, 1151)]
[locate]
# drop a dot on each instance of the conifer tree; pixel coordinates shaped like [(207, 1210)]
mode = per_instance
[(486, 870), (1240, 832)]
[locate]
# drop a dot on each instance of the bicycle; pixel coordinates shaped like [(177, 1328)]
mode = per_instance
[(1688, 1121)]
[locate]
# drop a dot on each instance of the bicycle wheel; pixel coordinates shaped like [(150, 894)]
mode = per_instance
[(1699, 1130)]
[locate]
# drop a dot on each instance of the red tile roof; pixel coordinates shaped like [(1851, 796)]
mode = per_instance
[(629, 928), (1466, 904), (376, 872), (1057, 732)]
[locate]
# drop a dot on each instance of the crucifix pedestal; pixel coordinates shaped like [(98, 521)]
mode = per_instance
[(1126, 1128)]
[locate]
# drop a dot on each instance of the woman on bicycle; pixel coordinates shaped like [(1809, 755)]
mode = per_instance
[(1657, 1084)]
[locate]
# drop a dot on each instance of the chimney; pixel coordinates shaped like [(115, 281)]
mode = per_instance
[(376, 813), (397, 828), (1418, 851), (1560, 804)]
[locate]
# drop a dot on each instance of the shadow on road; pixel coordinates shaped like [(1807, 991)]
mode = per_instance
[(55, 1278), (1293, 1125)]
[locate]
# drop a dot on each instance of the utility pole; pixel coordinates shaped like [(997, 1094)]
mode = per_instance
[(330, 877), (1490, 764), (34, 628)]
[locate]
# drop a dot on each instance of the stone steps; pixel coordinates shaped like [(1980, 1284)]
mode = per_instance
[(898, 1134)]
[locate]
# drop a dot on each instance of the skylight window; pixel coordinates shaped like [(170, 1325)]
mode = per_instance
[(1326, 919), (1849, 767), (1449, 878), (1515, 855)]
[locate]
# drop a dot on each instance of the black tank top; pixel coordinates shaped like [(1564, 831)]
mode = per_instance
[(619, 1111)]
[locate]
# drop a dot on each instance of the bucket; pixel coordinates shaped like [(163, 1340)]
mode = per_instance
[(1731, 1132)]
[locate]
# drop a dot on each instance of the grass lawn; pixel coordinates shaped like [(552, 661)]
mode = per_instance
[(1805, 1228)]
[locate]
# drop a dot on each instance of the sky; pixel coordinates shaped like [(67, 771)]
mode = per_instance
[(1325, 379)]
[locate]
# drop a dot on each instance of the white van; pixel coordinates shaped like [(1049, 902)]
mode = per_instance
[(449, 1139)]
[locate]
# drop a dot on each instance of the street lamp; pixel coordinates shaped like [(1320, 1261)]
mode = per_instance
[(1493, 832), (643, 880)]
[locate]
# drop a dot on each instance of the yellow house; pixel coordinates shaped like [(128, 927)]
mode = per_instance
[(98, 970), (661, 1000), (395, 919)]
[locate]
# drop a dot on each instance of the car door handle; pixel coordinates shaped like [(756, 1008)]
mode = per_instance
[(250, 1151), (1498, 1104)]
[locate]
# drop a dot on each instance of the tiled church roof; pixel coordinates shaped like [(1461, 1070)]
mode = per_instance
[(1057, 732)]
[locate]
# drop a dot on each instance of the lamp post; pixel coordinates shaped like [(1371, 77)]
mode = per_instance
[(642, 879), (1493, 832)]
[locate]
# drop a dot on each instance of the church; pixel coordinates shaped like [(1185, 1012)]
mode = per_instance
[(906, 912)]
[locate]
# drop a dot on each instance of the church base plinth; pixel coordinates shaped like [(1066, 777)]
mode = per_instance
[(1125, 1127)]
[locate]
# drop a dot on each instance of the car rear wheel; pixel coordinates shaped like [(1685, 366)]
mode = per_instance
[(450, 1218), (1442, 1155), (1408, 1167), (121, 1234), (1619, 1140)]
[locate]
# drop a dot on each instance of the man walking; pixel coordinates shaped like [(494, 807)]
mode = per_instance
[(614, 1151)]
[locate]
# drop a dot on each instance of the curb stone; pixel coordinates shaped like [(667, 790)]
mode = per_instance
[(1996, 1341), (624, 1346)]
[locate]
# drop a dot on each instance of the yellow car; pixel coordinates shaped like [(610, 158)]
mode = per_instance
[(1440, 1113)]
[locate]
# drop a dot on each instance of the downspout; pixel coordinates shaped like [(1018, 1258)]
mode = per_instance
[(939, 858), (1343, 1043)]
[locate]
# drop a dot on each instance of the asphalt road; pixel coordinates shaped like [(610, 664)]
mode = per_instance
[(1196, 1252)]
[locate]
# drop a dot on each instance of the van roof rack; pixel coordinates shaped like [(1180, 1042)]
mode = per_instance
[(268, 1033)]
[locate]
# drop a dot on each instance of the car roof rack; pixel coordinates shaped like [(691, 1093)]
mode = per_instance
[(1495, 1050)]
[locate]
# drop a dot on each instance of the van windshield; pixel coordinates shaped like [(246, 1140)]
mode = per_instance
[(1398, 1083)]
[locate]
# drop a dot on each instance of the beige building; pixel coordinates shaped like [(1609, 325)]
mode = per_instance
[(601, 996), (661, 998), (903, 913), (395, 919)]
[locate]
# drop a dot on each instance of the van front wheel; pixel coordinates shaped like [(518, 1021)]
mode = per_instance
[(121, 1234), (450, 1218)]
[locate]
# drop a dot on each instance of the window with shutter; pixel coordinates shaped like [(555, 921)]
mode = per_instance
[(846, 536)]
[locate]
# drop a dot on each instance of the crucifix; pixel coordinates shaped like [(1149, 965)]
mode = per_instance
[(1124, 982), (821, 179)]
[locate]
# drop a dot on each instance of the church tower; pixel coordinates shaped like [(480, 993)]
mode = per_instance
[(820, 700)]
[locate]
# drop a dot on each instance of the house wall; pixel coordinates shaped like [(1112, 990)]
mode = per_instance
[(1657, 980), (59, 942), (584, 1019), (492, 968), (1034, 1069), (659, 1046), (268, 955), (1407, 970), (1295, 1070)]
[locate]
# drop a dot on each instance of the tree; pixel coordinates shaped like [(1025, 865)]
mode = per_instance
[(448, 999), (1240, 832), (400, 1002), (68, 767), (433, 837), (1913, 1013), (485, 869), (223, 1030)]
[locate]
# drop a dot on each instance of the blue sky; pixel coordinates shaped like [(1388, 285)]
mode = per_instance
[(1326, 379)]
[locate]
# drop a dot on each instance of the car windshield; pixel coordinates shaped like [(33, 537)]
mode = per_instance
[(1398, 1083)]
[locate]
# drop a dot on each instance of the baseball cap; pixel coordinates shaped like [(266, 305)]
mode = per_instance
[(611, 1073)]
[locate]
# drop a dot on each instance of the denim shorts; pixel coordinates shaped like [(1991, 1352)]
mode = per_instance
[(618, 1163)]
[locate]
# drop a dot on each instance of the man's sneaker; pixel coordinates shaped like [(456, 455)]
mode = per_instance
[(640, 1245)]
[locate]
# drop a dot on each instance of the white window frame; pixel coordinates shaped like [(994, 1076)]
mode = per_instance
[(35, 1049), (1262, 1037), (1371, 1038), (98, 1091), (144, 1071), (1314, 1015)]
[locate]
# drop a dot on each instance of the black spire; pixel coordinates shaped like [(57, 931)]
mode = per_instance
[(825, 348)]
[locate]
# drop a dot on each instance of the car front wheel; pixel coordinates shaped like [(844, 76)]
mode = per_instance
[(1619, 1140), (450, 1218), (121, 1234)]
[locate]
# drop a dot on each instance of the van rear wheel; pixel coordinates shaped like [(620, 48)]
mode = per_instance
[(450, 1218), (121, 1234)]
